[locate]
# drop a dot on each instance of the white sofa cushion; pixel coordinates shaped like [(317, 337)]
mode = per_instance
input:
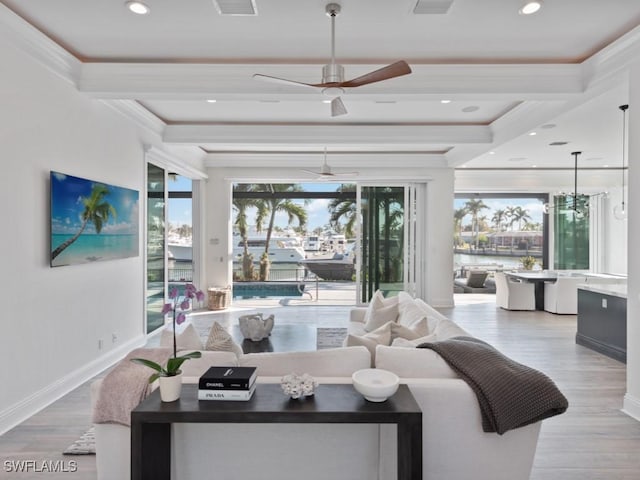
[(186, 337), (413, 362), (406, 343), (417, 329), (380, 311), (410, 313), (329, 362), (380, 336), (195, 367)]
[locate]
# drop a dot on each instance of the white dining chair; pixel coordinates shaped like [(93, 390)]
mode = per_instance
[(514, 295)]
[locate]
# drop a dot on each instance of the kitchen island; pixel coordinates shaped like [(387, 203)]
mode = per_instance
[(602, 319)]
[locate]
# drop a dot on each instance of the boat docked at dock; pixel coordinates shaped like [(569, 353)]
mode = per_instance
[(281, 249)]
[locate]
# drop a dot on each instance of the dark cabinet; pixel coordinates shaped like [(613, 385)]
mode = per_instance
[(602, 323)]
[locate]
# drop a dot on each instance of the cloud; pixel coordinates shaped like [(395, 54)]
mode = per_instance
[(59, 176)]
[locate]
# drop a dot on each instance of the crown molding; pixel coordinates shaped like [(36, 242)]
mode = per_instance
[(267, 134), (612, 60), (138, 114), (40, 47), (173, 161)]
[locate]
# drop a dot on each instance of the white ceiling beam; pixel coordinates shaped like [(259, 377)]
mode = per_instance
[(338, 160), (145, 81), (252, 134)]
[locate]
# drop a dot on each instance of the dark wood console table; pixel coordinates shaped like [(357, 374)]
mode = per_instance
[(151, 421)]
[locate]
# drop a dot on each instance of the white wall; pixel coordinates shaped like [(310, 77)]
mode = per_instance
[(52, 318), (439, 215)]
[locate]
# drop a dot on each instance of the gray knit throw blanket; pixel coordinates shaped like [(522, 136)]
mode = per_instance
[(511, 395)]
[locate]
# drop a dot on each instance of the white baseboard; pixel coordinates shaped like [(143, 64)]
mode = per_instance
[(19, 412), (631, 406)]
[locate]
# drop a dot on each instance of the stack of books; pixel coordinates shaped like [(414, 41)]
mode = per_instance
[(227, 383)]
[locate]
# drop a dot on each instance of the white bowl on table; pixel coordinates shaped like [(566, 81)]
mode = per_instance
[(375, 384)]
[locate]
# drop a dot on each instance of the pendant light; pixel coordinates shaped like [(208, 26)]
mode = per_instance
[(620, 210), (578, 212)]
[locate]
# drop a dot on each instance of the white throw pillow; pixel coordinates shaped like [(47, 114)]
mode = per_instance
[(380, 336), (186, 338), (220, 340), (409, 313), (381, 310), (416, 330), (405, 342)]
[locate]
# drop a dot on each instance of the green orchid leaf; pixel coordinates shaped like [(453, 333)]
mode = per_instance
[(147, 363), (195, 354), (154, 377)]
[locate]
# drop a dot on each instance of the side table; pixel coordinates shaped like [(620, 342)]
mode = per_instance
[(332, 404)]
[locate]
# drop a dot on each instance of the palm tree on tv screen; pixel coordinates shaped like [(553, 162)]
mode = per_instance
[(96, 211)]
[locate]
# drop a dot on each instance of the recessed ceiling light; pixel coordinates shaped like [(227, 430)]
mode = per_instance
[(212, 100), (531, 134), (606, 166), (534, 166), (492, 153), (547, 126), (138, 7), (326, 101), (470, 109), (530, 7), (445, 101)]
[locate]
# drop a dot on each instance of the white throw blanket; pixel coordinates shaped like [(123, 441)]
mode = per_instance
[(126, 386)]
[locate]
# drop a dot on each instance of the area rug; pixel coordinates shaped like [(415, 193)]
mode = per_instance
[(85, 445), (330, 337)]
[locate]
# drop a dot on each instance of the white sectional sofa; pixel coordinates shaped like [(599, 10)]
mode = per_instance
[(454, 444)]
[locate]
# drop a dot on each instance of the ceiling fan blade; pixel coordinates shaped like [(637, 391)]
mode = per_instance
[(312, 172), (396, 69), (281, 81), (337, 107)]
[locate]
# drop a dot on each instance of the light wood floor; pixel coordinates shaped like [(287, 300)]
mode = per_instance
[(592, 440)]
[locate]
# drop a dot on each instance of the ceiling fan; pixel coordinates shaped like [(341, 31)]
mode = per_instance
[(325, 172), (333, 83)]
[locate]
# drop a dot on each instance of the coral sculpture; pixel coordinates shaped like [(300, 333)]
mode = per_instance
[(254, 327)]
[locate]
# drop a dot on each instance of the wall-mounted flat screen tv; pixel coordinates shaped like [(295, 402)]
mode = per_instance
[(92, 221)]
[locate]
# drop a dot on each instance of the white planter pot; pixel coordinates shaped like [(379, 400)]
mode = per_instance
[(170, 388)]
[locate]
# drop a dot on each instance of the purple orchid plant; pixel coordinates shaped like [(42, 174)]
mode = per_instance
[(183, 303)]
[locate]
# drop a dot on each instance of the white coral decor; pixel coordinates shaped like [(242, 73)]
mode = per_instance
[(297, 386)]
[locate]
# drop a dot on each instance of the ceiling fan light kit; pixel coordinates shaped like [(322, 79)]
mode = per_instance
[(333, 84)]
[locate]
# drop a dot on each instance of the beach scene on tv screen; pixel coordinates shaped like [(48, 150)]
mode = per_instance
[(91, 221)]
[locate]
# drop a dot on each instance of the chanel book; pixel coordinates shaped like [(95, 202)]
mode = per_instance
[(228, 378)]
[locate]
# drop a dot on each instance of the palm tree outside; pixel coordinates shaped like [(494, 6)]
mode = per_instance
[(474, 207), (96, 211), (340, 208), (274, 205), (241, 207)]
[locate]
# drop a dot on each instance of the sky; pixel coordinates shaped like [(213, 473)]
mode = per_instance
[(67, 193)]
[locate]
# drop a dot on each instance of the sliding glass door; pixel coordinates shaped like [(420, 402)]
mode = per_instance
[(390, 239), (156, 246)]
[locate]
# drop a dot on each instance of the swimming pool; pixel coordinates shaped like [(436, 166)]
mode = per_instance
[(267, 289)]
